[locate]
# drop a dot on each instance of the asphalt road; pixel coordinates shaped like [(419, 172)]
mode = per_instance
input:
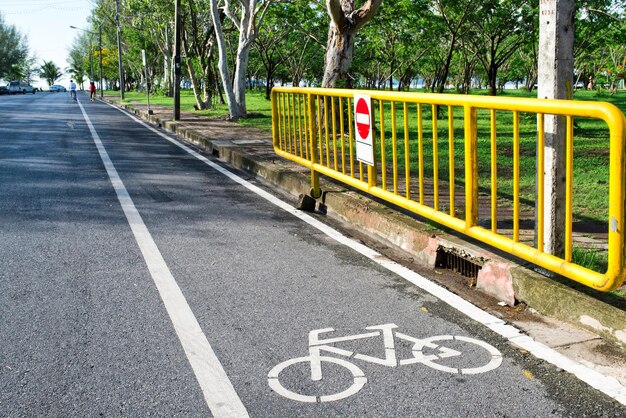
[(174, 290)]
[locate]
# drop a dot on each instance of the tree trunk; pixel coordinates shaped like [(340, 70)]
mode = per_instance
[(268, 86), (446, 67), (339, 54), (208, 92), (218, 85), (492, 79), (166, 75), (209, 79), (200, 105), (345, 22), (241, 71), (468, 71), (233, 107)]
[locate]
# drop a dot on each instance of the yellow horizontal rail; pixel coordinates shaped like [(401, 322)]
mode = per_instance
[(314, 128)]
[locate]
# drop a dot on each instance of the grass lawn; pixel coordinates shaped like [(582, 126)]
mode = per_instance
[(259, 109)]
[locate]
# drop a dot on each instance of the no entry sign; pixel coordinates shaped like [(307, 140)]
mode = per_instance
[(363, 122)]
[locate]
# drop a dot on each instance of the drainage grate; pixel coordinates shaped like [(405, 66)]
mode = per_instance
[(450, 261)]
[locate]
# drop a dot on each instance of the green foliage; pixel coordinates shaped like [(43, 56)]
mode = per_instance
[(50, 72), (393, 43), (460, 44), (13, 52)]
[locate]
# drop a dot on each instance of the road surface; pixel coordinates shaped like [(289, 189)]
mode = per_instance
[(139, 277)]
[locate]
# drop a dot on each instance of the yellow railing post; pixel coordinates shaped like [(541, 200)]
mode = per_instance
[(617, 203), (494, 172), (471, 167), (569, 188), (315, 176), (275, 120), (372, 170), (540, 179)]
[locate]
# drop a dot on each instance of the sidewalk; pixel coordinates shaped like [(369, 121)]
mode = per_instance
[(581, 326)]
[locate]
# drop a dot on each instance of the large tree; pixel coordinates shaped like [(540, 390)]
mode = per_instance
[(498, 30), (455, 17), (199, 46), (81, 59), (13, 51), (247, 17), (394, 42), (345, 22)]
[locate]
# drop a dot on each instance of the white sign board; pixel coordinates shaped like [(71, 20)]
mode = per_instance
[(363, 127)]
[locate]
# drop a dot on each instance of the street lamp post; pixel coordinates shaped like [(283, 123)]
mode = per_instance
[(119, 47), (100, 47), (177, 30)]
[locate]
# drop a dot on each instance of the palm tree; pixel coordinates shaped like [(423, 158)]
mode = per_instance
[(77, 71), (50, 72)]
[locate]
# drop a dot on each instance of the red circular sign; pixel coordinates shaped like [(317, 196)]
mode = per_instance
[(363, 118)]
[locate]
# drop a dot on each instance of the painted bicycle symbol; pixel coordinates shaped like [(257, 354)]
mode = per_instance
[(427, 351)]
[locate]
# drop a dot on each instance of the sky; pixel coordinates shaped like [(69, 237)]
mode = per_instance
[(46, 25)]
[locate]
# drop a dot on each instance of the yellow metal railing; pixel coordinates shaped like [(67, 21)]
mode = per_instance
[(315, 128)]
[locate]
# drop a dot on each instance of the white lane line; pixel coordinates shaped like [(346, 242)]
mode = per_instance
[(218, 391), (606, 384)]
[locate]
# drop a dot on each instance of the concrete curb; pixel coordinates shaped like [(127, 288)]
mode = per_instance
[(498, 277)]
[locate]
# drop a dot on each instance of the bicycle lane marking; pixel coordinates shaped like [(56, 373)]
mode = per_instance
[(217, 389), (606, 384), (359, 380)]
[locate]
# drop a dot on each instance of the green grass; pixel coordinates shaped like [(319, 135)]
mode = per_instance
[(590, 146), (590, 259), (259, 116)]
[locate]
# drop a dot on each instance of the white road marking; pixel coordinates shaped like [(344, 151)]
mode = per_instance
[(315, 359), (218, 391), (359, 380), (606, 384)]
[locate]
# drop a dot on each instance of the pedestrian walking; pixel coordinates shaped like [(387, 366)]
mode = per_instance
[(92, 90)]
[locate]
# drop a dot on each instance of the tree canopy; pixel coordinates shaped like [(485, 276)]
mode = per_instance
[(14, 63), (50, 72), (439, 45)]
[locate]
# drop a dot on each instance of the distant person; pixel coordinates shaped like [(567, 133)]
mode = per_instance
[(73, 90), (92, 90)]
